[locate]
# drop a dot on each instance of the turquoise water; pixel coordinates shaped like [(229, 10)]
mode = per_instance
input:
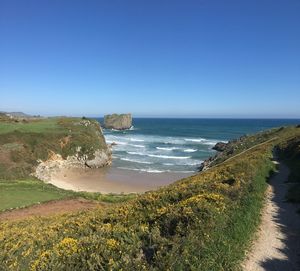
[(178, 145)]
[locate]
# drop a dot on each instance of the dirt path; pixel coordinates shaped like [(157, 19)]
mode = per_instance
[(50, 208), (277, 247)]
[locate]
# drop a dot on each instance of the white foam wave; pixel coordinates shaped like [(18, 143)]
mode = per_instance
[(190, 150), (159, 139), (202, 141), (136, 140), (168, 157), (158, 155), (150, 170), (166, 148), (136, 161), (194, 139), (135, 153), (137, 146)]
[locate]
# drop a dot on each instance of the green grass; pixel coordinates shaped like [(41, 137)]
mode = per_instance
[(21, 193), (36, 126), (24, 193)]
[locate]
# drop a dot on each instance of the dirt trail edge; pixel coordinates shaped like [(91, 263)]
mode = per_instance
[(50, 208), (277, 244)]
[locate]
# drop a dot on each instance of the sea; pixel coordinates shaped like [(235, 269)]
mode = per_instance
[(160, 145)]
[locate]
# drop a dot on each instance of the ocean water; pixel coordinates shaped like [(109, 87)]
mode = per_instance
[(178, 145)]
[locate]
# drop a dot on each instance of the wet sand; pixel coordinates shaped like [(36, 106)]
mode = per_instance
[(113, 180)]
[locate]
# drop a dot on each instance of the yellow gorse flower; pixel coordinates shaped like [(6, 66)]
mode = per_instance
[(112, 243), (67, 247)]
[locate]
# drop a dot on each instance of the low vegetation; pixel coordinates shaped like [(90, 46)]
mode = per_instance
[(203, 222)]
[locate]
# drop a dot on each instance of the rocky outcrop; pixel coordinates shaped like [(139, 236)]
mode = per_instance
[(46, 169), (224, 150), (220, 146), (206, 163), (84, 147), (118, 122)]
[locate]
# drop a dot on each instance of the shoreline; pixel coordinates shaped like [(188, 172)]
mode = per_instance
[(113, 180)]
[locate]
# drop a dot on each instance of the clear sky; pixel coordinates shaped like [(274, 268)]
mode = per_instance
[(202, 58)]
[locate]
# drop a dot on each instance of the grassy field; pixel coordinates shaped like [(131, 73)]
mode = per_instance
[(34, 126), (27, 192), (21, 193)]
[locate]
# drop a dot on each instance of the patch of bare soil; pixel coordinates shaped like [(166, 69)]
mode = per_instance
[(51, 208)]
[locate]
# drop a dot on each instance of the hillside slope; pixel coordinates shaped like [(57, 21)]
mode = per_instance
[(203, 222)]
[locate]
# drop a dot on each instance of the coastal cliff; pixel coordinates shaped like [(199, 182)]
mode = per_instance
[(41, 147), (118, 121)]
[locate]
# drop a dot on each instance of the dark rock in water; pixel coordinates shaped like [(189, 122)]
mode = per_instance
[(118, 122), (298, 126), (220, 146)]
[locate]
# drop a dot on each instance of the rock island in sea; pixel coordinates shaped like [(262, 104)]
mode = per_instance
[(118, 121)]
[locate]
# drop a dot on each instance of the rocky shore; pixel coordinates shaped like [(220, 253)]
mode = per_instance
[(223, 150), (47, 169)]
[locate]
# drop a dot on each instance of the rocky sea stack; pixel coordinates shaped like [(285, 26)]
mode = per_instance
[(118, 121)]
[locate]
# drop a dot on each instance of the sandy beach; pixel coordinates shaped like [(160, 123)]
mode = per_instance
[(113, 180)]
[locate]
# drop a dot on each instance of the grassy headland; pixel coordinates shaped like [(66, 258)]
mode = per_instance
[(25, 141), (203, 222)]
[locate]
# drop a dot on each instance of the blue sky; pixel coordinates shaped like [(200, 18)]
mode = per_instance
[(203, 58)]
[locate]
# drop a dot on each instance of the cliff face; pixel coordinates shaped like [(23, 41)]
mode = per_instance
[(118, 122), (41, 147)]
